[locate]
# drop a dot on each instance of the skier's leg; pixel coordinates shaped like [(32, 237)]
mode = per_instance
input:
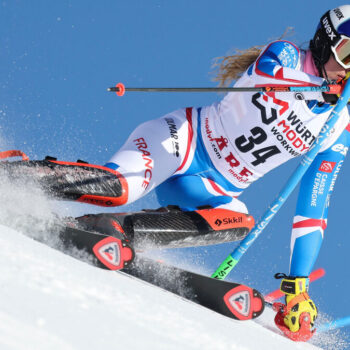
[(210, 212), (194, 191), (206, 216), (154, 151), (75, 181)]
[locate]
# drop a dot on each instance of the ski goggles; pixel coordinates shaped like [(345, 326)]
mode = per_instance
[(341, 52)]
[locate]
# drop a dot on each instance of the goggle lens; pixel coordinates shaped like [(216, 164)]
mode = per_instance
[(342, 52)]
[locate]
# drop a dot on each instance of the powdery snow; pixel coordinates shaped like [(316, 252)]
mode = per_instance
[(53, 301)]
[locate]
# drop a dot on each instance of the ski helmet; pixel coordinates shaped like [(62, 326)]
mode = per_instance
[(332, 36)]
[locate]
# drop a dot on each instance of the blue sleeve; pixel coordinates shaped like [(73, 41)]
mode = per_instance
[(278, 54), (280, 64), (310, 219)]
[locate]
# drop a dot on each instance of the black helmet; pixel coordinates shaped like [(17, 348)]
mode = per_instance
[(332, 36)]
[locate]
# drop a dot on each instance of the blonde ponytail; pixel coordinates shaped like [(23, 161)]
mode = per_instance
[(232, 67), (229, 68)]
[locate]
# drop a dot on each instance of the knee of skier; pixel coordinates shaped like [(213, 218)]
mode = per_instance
[(136, 183), (229, 203)]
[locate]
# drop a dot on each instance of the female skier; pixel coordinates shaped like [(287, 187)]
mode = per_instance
[(204, 158), (208, 156)]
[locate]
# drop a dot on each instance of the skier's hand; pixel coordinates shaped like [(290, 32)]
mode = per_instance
[(336, 89), (298, 302)]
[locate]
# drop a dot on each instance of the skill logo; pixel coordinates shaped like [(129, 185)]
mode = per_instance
[(218, 222)]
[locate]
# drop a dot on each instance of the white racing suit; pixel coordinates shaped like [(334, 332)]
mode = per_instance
[(208, 156)]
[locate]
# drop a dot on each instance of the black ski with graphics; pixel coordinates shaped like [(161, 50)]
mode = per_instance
[(227, 298)]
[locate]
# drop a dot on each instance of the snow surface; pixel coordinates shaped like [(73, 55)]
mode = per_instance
[(49, 300)]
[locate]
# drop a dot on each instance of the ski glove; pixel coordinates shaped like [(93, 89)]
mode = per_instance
[(336, 90), (298, 301)]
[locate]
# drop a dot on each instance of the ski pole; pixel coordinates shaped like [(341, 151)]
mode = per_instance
[(120, 89), (341, 322), (276, 294), (231, 261)]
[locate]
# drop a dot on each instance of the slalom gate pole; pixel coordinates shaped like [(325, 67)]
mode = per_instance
[(231, 261), (120, 89), (341, 322)]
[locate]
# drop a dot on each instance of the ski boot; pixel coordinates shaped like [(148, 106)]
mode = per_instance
[(296, 318), (172, 227), (79, 181)]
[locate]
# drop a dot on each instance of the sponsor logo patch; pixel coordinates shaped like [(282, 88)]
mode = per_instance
[(218, 222), (241, 303), (229, 221), (328, 29), (146, 155), (174, 136), (327, 167), (338, 13), (107, 251)]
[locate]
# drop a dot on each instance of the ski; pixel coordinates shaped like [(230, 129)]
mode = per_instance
[(101, 250), (231, 299)]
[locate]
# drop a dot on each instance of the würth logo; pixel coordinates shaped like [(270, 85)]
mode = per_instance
[(327, 167)]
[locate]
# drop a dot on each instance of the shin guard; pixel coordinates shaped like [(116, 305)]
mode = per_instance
[(79, 181)]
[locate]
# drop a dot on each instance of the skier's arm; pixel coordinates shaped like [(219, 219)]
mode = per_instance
[(310, 220), (279, 64)]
